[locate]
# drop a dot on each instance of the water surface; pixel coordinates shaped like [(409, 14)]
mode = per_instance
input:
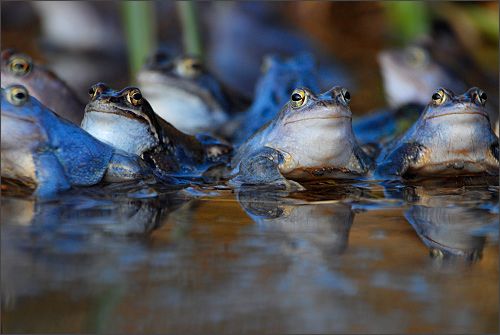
[(338, 258)]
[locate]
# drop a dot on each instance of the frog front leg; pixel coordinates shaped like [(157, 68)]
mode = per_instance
[(125, 167), (400, 160), (262, 168), (50, 175), (361, 162)]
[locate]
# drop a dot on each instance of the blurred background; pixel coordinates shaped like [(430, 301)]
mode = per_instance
[(88, 42)]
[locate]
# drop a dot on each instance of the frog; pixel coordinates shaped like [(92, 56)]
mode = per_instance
[(279, 78), (452, 137), (412, 74), (50, 155), (42, 83), (311, 138), (125, 120), (184, 92)]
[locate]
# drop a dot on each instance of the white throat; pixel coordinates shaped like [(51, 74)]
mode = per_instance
[(120, 132)]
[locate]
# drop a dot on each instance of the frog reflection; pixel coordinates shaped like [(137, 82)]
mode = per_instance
[(46, 244), (307, 227), (453, 226)]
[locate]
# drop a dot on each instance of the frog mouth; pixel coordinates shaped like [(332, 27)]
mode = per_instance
[(457, 113), (320, 118), (119, 112)]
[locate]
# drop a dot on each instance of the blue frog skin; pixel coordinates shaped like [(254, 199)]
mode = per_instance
[(383, 125), (311, 138), (452, 137), (280, 77), (50, 154)]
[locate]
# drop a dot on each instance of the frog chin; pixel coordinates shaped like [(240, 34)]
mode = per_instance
[(120, 132), (316, 142)]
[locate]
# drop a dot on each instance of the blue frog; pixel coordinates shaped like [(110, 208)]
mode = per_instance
[(280, 77), (49, 154)]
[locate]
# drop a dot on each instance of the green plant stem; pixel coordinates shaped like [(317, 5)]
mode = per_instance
[(140, 31), (190, 28)]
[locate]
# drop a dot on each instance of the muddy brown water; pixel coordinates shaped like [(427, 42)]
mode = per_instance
[(346, 258)]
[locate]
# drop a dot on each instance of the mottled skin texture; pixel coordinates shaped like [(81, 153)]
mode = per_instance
[(42, 84), (280, 77), (51, 154), (184, 93), (452, 137), (310, 138), (130, 124)]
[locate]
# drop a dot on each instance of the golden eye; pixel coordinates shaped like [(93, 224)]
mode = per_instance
[(134, 97), (298, 98), (416, 56), (439, 97), (19, 66), (189, 67), (17, 95)]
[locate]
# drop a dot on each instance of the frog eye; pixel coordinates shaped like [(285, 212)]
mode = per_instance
[(439, 97), (19, 65), (96, 90), (189, 67), (417, 56), (346, 95), (134, 97), (299, 98), (480, 97), (17, 95)]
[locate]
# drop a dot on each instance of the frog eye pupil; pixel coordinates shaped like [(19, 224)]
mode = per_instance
[(483, 96), (19, 66), (19, 95), (347, 95), (137, 96), (296, 97), (436, 96)]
